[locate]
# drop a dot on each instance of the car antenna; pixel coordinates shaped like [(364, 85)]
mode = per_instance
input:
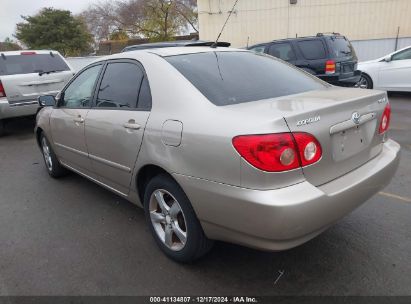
[(215, 44)]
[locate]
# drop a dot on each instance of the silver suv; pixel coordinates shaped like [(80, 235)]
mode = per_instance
[(25, 75)]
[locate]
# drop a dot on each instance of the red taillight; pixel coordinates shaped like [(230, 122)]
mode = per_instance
[(385, 119), (2, 91), (330, 67), (27, 53), (278, 152), (308, 147), (269, 152)]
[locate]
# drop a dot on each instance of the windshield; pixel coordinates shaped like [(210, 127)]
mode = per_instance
[(31, 63), (227, 78), (341, 47)]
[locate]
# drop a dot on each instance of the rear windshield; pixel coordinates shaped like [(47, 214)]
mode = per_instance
[(340, 47), (32, 63), (227, 78)]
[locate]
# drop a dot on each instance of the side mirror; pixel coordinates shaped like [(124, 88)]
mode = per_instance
[(46, 101), (387, 58)]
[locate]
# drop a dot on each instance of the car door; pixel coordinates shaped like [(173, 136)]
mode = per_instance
[(115, 124), (395, 75), (67, 120)]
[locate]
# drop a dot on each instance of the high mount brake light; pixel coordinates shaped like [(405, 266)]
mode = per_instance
[(278, 152), (385, 119)]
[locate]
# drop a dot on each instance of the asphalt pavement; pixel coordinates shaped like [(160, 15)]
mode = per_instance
[(72, 237)]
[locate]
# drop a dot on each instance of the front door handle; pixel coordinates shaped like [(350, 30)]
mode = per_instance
[(78, 119), (131, 124)]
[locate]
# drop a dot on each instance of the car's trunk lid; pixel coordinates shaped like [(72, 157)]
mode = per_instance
[(330, 115)]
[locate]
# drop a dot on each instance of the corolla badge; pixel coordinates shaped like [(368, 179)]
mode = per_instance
[(356, 117), (308, 121)]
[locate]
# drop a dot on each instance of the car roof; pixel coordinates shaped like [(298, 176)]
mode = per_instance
[(172, 44), (14, 53), (318, 36), (156, 45), (170, 51)]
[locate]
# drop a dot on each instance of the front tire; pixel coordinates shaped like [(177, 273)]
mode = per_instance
[(173, 222), (53, 166), (365, 82)]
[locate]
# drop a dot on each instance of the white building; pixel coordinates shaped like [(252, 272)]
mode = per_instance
[(372, 25)]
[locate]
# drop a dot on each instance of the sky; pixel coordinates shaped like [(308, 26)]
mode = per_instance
[(11, 10)]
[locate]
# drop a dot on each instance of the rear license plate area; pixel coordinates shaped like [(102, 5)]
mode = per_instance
[(348, 68), (352, 141)]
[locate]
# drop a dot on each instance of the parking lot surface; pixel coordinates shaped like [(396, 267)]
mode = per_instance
[(72, 237)]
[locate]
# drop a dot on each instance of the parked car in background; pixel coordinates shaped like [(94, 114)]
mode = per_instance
[(329, 57), (220, 144), (24, 76), (177, 43), (77, 63), (389, 73)]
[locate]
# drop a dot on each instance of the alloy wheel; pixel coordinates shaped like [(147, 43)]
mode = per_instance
[(363, 83), (47, 154), (168, 219)]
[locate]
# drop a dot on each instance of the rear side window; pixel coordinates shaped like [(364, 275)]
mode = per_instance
[(144, 97), (340, 47), (283, 51), (227, 78), (312, 49), (31, 63), (120, 86)]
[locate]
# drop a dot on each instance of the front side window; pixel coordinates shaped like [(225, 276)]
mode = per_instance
[(312, 49), (120, 86), (283, 51), (404, 55), (80, 91), (227, 78), (258, 49)]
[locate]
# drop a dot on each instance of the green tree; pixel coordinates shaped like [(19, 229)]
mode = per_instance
[(119, 35), (159, 19), (154, 19), (55, 29), (9, 45)]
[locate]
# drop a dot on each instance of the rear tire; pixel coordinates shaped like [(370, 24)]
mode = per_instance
[(51, 161), (173, 222)]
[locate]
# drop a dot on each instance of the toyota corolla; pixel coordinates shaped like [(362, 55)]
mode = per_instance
[(220, 144)]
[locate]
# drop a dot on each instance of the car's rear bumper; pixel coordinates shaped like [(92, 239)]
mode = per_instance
[(25, 108), (346, 80), (287, 217)]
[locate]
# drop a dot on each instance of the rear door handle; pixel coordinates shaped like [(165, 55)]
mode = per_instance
[(131, 124), (78, 119)]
